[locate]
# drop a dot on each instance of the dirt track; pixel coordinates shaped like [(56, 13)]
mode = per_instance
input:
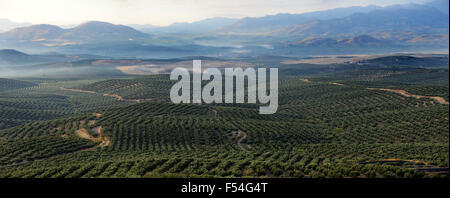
[(242, 135), (404, 93), (118, 97)]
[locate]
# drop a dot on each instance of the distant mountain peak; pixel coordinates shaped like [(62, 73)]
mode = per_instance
[(102, 26), (34, 32), (11, 52), (93, 30), (93, 24), (86, 32), (38, 27)]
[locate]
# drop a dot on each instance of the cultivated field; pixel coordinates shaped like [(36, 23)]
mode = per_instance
[(344, 120)]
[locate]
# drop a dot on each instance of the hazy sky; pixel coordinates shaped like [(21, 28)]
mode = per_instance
[(162, 12)]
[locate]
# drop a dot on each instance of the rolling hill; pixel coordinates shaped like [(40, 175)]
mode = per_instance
[(96, 30), (89, 32), (33, 33), (10, 57), (14, 57), (411, 61), (358, 41), (9, 84)]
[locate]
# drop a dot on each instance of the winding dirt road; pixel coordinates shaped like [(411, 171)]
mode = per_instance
[(404, 93), (241, 136)]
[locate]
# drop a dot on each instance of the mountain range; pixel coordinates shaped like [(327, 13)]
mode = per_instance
[(279, 21), (411, 18), (397, 27), (202, 26)]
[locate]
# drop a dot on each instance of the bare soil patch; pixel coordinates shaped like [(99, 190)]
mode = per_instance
[(105, 141), (91, 122), (305, 80), (102, 139), (83, 133), (335, 83)]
